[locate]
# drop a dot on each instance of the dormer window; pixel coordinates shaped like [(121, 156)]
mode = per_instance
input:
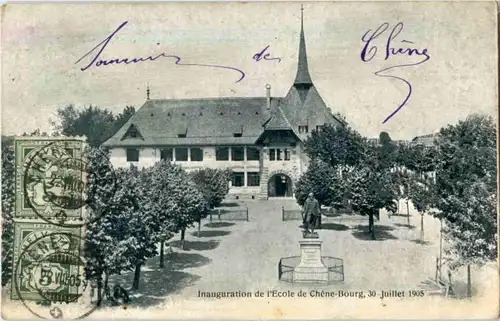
[(132, 132), (303, 129)]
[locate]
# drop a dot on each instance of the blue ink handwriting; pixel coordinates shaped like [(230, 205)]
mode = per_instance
[(177, 60), (263, 54), (369, 51)]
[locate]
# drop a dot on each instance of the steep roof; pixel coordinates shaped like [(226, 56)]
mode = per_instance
[(303, 77), (202, 121)]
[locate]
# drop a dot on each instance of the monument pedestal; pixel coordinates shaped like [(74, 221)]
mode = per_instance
[(311, 267)]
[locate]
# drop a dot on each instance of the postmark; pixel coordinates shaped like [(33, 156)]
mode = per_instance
[(51, 181), (48, 274)]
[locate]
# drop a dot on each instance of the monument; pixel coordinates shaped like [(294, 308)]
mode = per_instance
[(311, 267)]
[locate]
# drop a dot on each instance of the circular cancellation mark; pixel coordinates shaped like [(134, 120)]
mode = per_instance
[(49, 277), (53, 176)]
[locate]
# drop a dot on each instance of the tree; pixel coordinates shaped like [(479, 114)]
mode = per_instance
[(143, 228), (213, 184), (8, 199), (324, 182), (106, 222), (465, 191), (175, 199), (336, 146), (371, 188), (98, 125), (421, 193)]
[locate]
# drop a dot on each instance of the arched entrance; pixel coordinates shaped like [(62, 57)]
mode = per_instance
[(279, 185)]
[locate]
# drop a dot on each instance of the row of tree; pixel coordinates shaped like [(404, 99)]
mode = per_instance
[(454, 180), (133, 210)]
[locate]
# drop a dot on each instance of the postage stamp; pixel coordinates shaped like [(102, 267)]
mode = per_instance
[(49, 271), (50, 180), (281, 160)]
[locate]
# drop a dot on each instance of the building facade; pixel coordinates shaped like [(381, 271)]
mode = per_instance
[(261, 139)]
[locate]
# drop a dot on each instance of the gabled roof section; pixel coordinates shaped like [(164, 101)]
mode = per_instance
[(278, 121), (210, 121), (132, 132)]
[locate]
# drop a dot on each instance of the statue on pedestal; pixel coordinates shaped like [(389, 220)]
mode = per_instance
[(310, 214)]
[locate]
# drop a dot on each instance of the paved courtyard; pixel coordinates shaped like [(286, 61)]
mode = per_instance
[(244, 255)]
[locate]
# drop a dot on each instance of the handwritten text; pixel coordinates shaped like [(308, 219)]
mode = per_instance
[(370, 51), (96, 52)]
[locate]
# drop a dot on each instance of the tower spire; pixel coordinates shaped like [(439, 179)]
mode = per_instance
[(303, 79)]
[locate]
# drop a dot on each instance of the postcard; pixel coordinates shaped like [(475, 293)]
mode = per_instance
[(282, 160)]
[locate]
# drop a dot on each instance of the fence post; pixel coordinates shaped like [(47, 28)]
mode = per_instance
[(282, 213), (247, 214)]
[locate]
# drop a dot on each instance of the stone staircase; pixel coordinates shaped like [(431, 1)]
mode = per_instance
[(264, 177)]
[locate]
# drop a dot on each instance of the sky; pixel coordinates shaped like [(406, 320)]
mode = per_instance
[(41, 44)]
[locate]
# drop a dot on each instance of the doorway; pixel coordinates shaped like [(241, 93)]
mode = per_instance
[(280, 185)]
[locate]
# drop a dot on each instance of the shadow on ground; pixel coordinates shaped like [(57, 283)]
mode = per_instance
[(411, 227), (210, 233), (156, 283), (334, 227), (219, 224), (230, 204), (421, 242), (196, 245), (381, 233), (399, 214)]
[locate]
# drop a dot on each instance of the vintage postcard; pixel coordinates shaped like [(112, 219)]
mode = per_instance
[(285, 160)]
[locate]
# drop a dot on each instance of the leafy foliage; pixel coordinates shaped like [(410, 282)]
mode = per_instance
[(466, 192), (213, 184), (336, 145), (97, 124), (324, 182)]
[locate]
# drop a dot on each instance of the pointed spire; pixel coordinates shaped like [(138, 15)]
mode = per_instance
[(303, 77)]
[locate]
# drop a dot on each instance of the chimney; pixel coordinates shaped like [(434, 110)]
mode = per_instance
[(268, 97)]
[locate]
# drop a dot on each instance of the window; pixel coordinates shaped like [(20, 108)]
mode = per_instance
[(287, 154), (237, 153), (253, 154), (181, 154), (253, 179), (237, 134), (318, 127), (222, 153), (132, 155), (167, 154), (181, 135), (303, 129), (238, 179), (272, 154), (196, 154), (279, 154)]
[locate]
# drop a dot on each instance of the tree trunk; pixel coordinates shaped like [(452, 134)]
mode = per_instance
[(422, 227), (440, 246), (408, 212), (199, 227), (137, 275), (469, 285), (183, 233), (371, 227), (99, 290), (162, 249)]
